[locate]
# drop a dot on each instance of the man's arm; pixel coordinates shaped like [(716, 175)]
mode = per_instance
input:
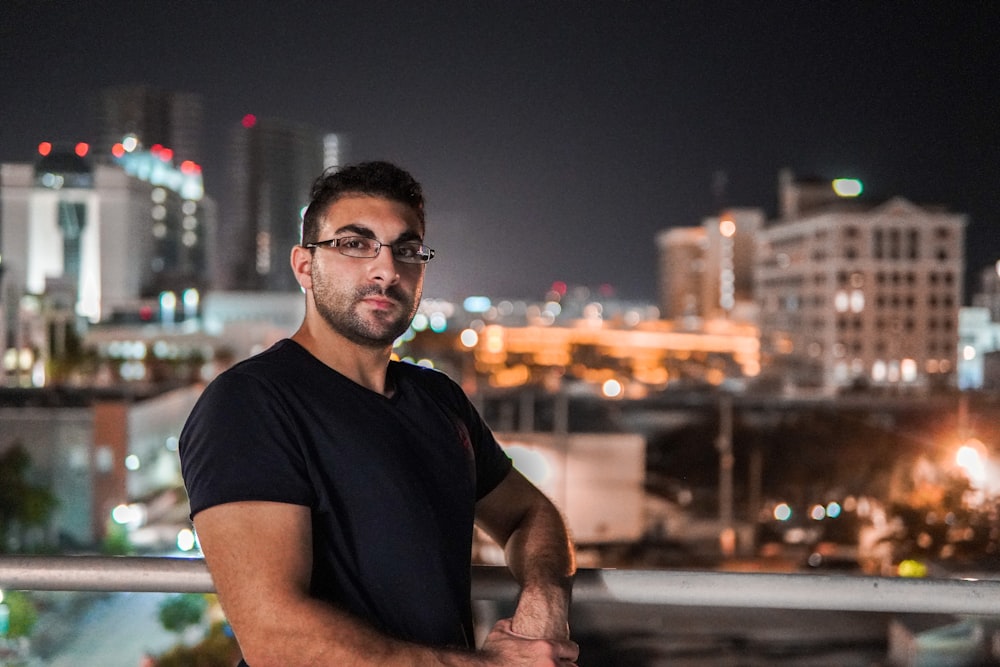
[(260, 557), (539, 554)]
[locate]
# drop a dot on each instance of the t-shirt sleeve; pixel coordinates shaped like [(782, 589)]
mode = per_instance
[(492, 462), (239, 444)]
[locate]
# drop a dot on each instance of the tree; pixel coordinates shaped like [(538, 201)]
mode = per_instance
[(177, 612), (22, 614), (22, 503), (217, 649)]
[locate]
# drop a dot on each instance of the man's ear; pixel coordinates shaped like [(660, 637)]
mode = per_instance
[(301, 261)]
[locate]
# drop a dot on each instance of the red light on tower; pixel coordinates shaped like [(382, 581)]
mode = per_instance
[(166, 154), (118, 150), (82, 149), (44, 148), (249, 121)]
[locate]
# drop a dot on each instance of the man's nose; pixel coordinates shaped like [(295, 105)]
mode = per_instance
[(383, 266)]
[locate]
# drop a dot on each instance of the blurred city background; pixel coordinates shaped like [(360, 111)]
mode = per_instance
[(797, 374)]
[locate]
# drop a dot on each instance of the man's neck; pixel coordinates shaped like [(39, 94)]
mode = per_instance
[(361, 364)]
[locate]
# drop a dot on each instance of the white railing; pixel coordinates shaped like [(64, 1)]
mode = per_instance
[(667, 587)]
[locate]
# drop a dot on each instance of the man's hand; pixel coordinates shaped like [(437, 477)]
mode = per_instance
[(505, 647)]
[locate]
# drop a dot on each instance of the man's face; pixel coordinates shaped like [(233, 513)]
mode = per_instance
[(369, 301)]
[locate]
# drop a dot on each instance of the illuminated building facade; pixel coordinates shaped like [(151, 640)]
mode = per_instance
[(273, 166), (617, 362), (727, 290), (979, 349), (979, 335), (182, 218), (852, 296), (594, 344), (82, 242)]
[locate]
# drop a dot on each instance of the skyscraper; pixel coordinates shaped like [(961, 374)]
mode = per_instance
[(152, 116), (273, 164)]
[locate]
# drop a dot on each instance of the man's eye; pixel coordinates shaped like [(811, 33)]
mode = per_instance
[(355, 243), (408, 250)]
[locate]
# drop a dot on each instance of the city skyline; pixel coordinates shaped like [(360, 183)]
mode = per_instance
[(555, 142)]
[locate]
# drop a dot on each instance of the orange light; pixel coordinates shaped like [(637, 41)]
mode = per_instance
[(82, 149), (44, 148), (118, 150), (249, 120)]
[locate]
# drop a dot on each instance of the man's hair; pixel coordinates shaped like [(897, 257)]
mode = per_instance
[(375, 179)]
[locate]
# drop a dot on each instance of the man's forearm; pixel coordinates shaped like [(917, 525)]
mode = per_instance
[(540, 556), (310, 632)]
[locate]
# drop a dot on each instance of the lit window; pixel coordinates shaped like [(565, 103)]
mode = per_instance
[(857, 301), (840, 301)]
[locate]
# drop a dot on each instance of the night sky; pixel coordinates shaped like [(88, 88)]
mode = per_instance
[(555, 139)]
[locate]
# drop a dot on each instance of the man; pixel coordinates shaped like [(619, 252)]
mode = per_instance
[(334, 490)]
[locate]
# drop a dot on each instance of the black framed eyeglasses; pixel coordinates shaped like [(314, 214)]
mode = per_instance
[(362, 247)]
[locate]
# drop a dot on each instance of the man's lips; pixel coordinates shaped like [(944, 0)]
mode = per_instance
[(379, 302)]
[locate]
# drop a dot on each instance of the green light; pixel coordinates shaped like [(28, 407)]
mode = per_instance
[(847, 187)]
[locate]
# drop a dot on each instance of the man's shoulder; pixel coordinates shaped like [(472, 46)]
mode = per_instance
[(276, 366), (283, 354)]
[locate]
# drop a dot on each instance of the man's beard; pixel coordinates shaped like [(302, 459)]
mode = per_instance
[(379, 328)]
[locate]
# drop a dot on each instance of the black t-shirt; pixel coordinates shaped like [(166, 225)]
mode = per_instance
[(391, 482)]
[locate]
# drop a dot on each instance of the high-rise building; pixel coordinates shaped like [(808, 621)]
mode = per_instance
[(273, 166), (854, 295), (153, 117), (727, 290), (681, 259), (707, 271)]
